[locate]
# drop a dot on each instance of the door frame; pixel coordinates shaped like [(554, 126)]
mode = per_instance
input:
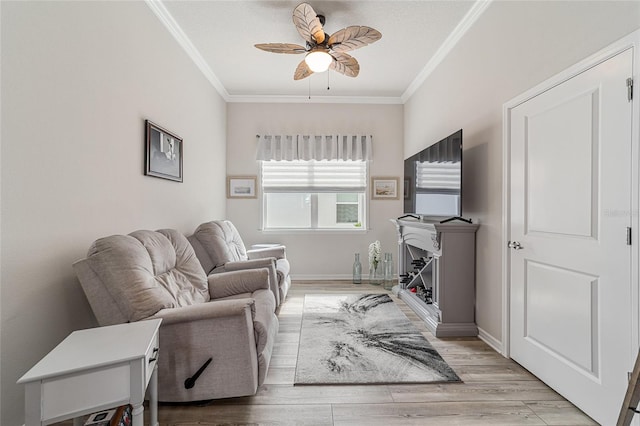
[(631, 41)]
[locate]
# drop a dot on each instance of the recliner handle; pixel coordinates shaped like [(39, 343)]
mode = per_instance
[(191, 381)]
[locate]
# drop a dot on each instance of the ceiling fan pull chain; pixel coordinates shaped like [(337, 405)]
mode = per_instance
[(328, 88)]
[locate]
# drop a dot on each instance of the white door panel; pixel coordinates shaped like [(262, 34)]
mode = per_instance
[(571, 281), (561, 310), (555, 138)]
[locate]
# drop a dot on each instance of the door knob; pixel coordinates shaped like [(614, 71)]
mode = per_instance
[(515, 245)]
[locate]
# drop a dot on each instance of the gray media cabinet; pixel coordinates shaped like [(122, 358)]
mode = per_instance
[(437, 260)]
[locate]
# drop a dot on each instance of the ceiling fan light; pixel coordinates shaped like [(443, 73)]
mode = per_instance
[(318, 60)]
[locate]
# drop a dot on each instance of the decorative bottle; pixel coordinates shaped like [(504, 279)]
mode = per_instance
[(387, 270), (357, 270), (375, 273)]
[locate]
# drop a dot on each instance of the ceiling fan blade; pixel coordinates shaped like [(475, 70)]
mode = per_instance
[(345, 64), (289, 48), (308, 24), (303, 71), (353, 37)]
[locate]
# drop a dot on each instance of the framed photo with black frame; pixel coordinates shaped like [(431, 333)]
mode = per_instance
[(163, 153)]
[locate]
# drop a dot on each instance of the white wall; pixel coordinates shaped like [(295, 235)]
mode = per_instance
[(317, 254), (512, 47), (78, 80)]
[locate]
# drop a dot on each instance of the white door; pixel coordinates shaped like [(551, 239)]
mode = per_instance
[(570, 260)]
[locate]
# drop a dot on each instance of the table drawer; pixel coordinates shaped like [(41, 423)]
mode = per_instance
[(151, 358), (67, 395)]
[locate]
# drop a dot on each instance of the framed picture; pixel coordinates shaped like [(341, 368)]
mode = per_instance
[(163, 153), (384, 188), (241, 187)]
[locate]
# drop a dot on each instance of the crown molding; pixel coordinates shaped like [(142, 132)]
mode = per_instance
[(315, 99), (176, 31), (183, 40), (450, 42)]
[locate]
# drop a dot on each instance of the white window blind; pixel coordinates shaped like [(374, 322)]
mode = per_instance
[(314, 176), (438, 176)]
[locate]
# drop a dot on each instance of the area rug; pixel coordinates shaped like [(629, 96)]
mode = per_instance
[(364, 339)]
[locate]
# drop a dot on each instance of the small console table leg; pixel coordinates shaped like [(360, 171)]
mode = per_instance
[(153, 397), (33, 404), (137, 415)]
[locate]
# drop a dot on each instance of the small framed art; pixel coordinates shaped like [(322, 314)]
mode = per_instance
[(163, 153), (241, 186), (384, 188)]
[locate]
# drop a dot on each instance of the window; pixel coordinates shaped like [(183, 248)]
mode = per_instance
[(347, 207), (314, 194)]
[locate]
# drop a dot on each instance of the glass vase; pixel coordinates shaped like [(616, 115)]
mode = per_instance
[(375, 274), (357, 270), (387, 270)]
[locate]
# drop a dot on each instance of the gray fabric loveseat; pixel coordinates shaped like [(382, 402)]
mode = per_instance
[(220, 248), (228, 318)]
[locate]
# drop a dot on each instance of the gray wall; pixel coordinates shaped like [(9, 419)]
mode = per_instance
[(78, 80), (511, 48), (322, 254)]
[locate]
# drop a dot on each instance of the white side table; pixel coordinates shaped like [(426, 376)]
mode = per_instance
[(93, 370)]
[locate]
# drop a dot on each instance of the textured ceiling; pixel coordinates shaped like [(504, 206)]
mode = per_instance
[(223, 33)]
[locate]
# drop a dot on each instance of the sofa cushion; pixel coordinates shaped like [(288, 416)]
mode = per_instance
[(146, 271), (221, 240), (196, 288), (205, 260)]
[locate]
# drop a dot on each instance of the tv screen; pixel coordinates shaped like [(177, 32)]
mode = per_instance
[(433, 180)]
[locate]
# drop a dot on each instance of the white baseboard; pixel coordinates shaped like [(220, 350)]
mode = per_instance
[(491, 341), (324, 277)]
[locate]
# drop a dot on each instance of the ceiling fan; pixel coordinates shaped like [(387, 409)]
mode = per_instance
[(323, 51)]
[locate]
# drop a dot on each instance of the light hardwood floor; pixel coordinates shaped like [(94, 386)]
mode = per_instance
[(495, 390)]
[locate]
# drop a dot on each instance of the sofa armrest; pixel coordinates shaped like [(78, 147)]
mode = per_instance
[(278, 252), (220, 331), (267, 262), (239, 265), (204, 311), (226, 284)]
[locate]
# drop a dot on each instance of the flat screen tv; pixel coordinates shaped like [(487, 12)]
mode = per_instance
[(433, 180)]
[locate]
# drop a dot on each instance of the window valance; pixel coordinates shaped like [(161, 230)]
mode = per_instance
[(312, 147)]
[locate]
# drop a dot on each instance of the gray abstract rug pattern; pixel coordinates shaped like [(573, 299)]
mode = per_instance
[(364, 339)]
